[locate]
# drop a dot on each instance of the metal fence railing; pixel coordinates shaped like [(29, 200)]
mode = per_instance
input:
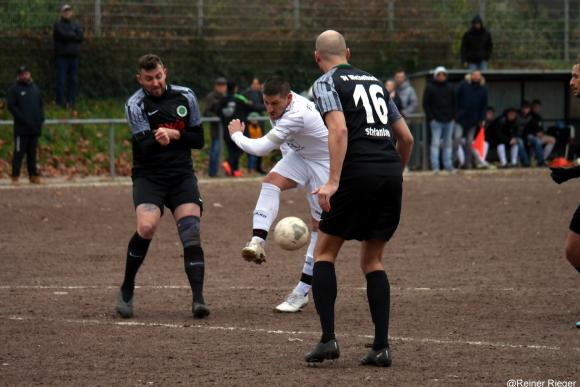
[(416, 122)]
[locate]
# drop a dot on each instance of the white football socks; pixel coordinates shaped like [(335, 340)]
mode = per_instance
[(266, 209), (304, 288)]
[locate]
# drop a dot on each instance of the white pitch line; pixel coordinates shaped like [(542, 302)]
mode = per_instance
[(277, 288), (290, 333)]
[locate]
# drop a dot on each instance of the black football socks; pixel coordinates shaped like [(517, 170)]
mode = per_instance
[(379, 294), (195, 270), (324, 293), (136, 252)]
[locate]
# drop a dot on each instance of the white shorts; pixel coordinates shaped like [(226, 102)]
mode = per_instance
[(307, 173)]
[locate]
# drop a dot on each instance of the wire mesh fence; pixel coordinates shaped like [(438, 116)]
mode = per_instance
[(202, 39)]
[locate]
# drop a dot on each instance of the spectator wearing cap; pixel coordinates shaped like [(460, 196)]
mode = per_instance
[(25, 103), (255, 131), (67, 35), (476, 46), (212, 103), (439, 107)]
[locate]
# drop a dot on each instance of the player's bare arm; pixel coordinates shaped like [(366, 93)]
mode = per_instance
[(337, 142), (404, 140)]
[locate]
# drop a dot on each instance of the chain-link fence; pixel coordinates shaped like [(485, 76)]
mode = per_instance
[(201, 39)]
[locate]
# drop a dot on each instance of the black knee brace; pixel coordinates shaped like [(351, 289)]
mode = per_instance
[(188, 229)]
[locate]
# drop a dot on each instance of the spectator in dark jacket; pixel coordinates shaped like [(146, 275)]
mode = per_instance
[(254, 96), (25, 103), (392, 89), (233, 106), (471, 97), (67, 36), (212, 102), (476, 46), (439, 107), (535, 136), (503, 133)]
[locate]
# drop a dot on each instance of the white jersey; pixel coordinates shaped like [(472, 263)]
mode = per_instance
[(301, 129)]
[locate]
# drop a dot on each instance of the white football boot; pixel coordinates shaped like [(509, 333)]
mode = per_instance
[(254, 252), (294, 302)]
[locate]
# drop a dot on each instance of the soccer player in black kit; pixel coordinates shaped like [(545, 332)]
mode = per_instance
[(561, 175), (362, 198), (166, 124)]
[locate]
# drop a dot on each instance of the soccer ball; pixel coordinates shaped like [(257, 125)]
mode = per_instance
[(291, 233)]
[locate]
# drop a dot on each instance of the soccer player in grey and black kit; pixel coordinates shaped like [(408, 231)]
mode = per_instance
[(362, 198), (166, 124)]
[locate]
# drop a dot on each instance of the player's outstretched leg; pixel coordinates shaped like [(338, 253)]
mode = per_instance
[(298, 299), (136, 252), (189, 233), (264, 215)]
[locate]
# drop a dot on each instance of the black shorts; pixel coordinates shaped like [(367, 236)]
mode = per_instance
[(166, 192), (365, 208), (575, 223)]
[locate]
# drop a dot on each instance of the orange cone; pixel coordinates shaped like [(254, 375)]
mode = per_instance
[(479, 142)]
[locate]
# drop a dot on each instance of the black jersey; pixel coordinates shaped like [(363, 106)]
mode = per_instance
[(368, 111), (176, 109)]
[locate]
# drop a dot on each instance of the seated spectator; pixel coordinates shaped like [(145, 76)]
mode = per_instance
[(524, 119), (535, 136), (503, 135)]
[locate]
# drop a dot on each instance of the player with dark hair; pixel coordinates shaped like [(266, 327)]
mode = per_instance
[(299, 132), (165, 123), (362, 198), (560, 175)]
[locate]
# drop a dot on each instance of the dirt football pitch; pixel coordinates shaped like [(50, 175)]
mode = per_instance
[(481, 291)]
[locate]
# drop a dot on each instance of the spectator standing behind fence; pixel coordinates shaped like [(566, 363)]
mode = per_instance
[(408, 97), (25, 103), (67, 35), (233, 106), (476, 46), (406, 92), (471, 99), (212, 103), (392, 89), (254, 96), (439, 107)]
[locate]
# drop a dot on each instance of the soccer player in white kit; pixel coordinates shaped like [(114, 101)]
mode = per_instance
[(300, 133)]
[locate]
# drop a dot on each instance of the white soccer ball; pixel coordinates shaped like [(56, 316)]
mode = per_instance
[(291, 233)]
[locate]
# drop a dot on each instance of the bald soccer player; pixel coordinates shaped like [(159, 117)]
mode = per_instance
[(362, 198)]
